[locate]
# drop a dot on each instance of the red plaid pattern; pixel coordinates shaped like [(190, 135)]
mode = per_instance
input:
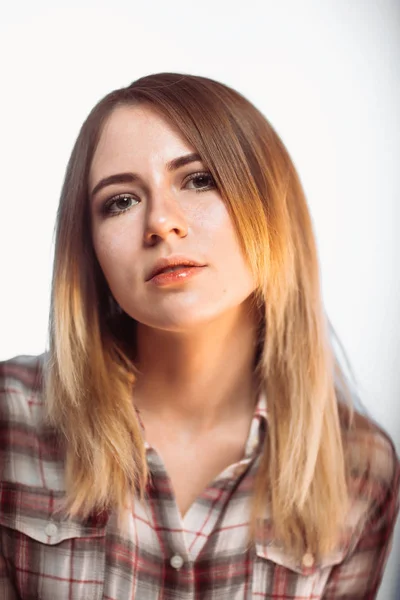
[(162, 556)]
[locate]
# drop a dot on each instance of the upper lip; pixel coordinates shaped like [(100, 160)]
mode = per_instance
[(172, 261)]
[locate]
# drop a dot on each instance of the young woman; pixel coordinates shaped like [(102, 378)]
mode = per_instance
[(189, 434)]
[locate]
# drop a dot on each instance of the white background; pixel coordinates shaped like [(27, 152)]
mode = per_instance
[(327, 76)]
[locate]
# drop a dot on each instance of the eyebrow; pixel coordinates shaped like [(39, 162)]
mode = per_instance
[(172, 165)]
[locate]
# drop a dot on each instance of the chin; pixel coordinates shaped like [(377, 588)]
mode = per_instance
[(182, 321)]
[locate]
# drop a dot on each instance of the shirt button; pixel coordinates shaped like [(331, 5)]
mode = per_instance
[(51, 529), (308, 560), (176, 561)]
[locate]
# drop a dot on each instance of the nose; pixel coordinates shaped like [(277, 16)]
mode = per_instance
[(164, 216)]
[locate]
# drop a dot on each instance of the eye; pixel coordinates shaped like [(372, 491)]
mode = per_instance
[(119, 204), (201, 181)]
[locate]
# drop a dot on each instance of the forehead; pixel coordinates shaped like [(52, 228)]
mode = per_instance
[(133, 136)]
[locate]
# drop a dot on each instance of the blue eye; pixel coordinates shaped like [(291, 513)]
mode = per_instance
[(119, 204)]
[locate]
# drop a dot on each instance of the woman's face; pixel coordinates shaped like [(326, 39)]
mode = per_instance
[(146, 208)]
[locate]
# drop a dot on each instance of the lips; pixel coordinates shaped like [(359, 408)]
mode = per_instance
[(172, 269), (171, 264)]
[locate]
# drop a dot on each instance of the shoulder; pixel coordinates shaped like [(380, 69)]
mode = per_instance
[(24, 370), (28, 446), (369, 450), (21, 388), (373, 469)]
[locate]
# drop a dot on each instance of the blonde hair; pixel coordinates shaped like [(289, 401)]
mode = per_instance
[(90, 376)]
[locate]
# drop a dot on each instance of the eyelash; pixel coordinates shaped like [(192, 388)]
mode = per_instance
[(106, 210)]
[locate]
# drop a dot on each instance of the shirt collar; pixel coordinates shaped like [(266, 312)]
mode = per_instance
[(257, 427)]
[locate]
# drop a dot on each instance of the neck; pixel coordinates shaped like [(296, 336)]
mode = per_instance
[(202, 377)]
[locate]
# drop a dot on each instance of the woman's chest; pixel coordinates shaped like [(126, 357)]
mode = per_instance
[(43, 557), (191, 468), (82, 565)]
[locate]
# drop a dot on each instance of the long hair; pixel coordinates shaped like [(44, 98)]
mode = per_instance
[(90, 377)]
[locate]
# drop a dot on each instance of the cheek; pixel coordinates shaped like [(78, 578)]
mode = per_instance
[(223, 238), (114, 246), (234, 276), (213, 227)]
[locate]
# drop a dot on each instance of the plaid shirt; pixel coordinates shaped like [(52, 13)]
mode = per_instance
[(200, 557)]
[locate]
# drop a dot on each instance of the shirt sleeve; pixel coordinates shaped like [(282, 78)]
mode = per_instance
[(359, 576), (7, 590)]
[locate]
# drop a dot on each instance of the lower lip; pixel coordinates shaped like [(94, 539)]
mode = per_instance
[(177, 276)]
